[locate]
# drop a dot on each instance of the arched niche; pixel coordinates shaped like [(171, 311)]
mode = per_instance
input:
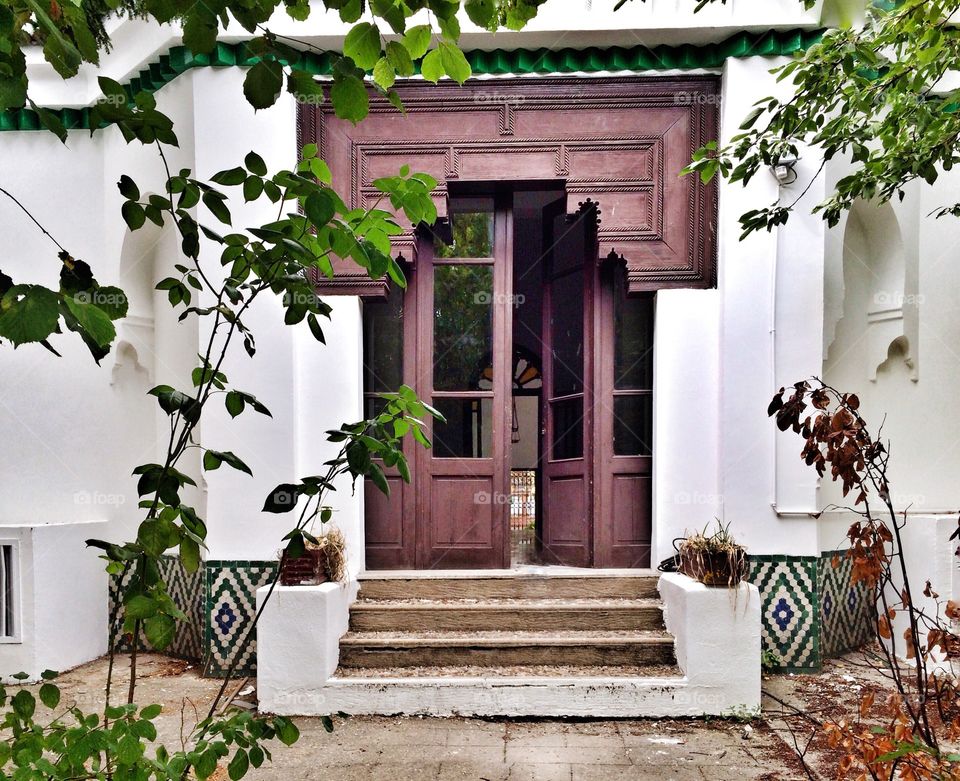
[(869, 300), (136, 338)]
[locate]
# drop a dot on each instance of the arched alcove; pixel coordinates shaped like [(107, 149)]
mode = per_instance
[(868, 308)]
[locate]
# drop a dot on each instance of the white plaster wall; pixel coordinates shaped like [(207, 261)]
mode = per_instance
[(908, 394), (70, 595), (61, 593), (237, 528), (687, 494), (329, 388), (711, 627), (759, 341)]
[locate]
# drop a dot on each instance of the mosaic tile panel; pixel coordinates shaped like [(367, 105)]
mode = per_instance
[(231, 600), (847, 611), (790, 620), (186, 590)]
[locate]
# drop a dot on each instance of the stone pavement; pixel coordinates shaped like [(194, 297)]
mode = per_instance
[(386, 749), (454, 749)]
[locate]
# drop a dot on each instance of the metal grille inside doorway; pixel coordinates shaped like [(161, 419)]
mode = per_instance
[(523, 515)]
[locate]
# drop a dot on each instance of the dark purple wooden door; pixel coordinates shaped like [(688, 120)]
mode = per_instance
[(568, 333), (463, 370)]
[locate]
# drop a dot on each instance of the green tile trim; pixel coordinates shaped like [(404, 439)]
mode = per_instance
[(498, 62)]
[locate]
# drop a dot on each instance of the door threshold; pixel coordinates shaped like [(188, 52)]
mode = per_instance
[(524, 571)]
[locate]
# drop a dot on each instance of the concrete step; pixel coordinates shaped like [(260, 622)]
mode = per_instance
[(508, 584), (505, 649), (506, 614)]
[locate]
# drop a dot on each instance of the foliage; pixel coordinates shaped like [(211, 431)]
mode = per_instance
[(874, 96), (33, 313), (904, 736), (61, 741)]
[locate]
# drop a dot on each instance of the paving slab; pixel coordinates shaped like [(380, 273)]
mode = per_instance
[(459, 749)]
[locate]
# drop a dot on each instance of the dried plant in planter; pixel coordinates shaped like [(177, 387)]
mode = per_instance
[(715, 559), (322, 559)]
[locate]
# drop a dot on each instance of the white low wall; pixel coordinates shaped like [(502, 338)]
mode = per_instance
[(717, 633), (928, 554), (298, 644), (61, 595)]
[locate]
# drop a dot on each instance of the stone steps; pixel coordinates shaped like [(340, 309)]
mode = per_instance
[(507, 584), (489, 622), (505, 649), (506, 615)]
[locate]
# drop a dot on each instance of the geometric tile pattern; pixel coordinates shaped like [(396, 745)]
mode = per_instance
[(231, 605), (790, 616), (186, 590), (847, 612)]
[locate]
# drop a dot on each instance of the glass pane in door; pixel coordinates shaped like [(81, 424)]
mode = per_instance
[(566, 322), (462, 326)]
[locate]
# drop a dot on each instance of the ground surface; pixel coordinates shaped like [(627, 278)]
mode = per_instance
[(411, 749)]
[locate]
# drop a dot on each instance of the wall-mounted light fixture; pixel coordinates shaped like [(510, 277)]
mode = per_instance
[(784, 170)]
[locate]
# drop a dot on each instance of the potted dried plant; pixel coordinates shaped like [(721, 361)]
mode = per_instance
[(713, 558), (323, 560)]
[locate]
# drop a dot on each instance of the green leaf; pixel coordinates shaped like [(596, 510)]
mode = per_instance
[(232, 176), (282, 499), (128, 188), (94, 321), (205, 764), (286, 730), (215, 203), (160, 630), (454, 62), (234, 403), (49, 695), (349, 96), (362, 45), (239, 765), (151, 712), (481, 12), (140, 607), (190, 554), (133, 214), (263, 83), (400, 58), (383, 73), (24, 704), (417, 40), (28, 313), (432, 68), (319, 207), (255, 164)]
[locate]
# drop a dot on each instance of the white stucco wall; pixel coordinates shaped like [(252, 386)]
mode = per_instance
[(60, 598)]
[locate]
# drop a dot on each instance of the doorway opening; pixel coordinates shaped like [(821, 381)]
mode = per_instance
[(513, 328)]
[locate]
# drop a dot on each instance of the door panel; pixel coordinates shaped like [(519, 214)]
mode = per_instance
[(464, 329), (389, 334), (624, 382), (566, 536)]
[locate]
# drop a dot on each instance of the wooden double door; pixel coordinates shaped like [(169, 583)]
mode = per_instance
[(454, 336)]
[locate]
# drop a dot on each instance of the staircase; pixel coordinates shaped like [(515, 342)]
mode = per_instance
[(535, 642), (506, 624)]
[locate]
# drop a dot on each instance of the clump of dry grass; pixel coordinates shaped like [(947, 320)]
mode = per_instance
[(333, 546), (713, 558)]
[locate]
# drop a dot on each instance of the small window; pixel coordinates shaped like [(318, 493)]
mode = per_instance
[(9, 592)]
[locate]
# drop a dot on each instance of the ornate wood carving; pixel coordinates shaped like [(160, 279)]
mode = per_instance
[(620, 142)]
